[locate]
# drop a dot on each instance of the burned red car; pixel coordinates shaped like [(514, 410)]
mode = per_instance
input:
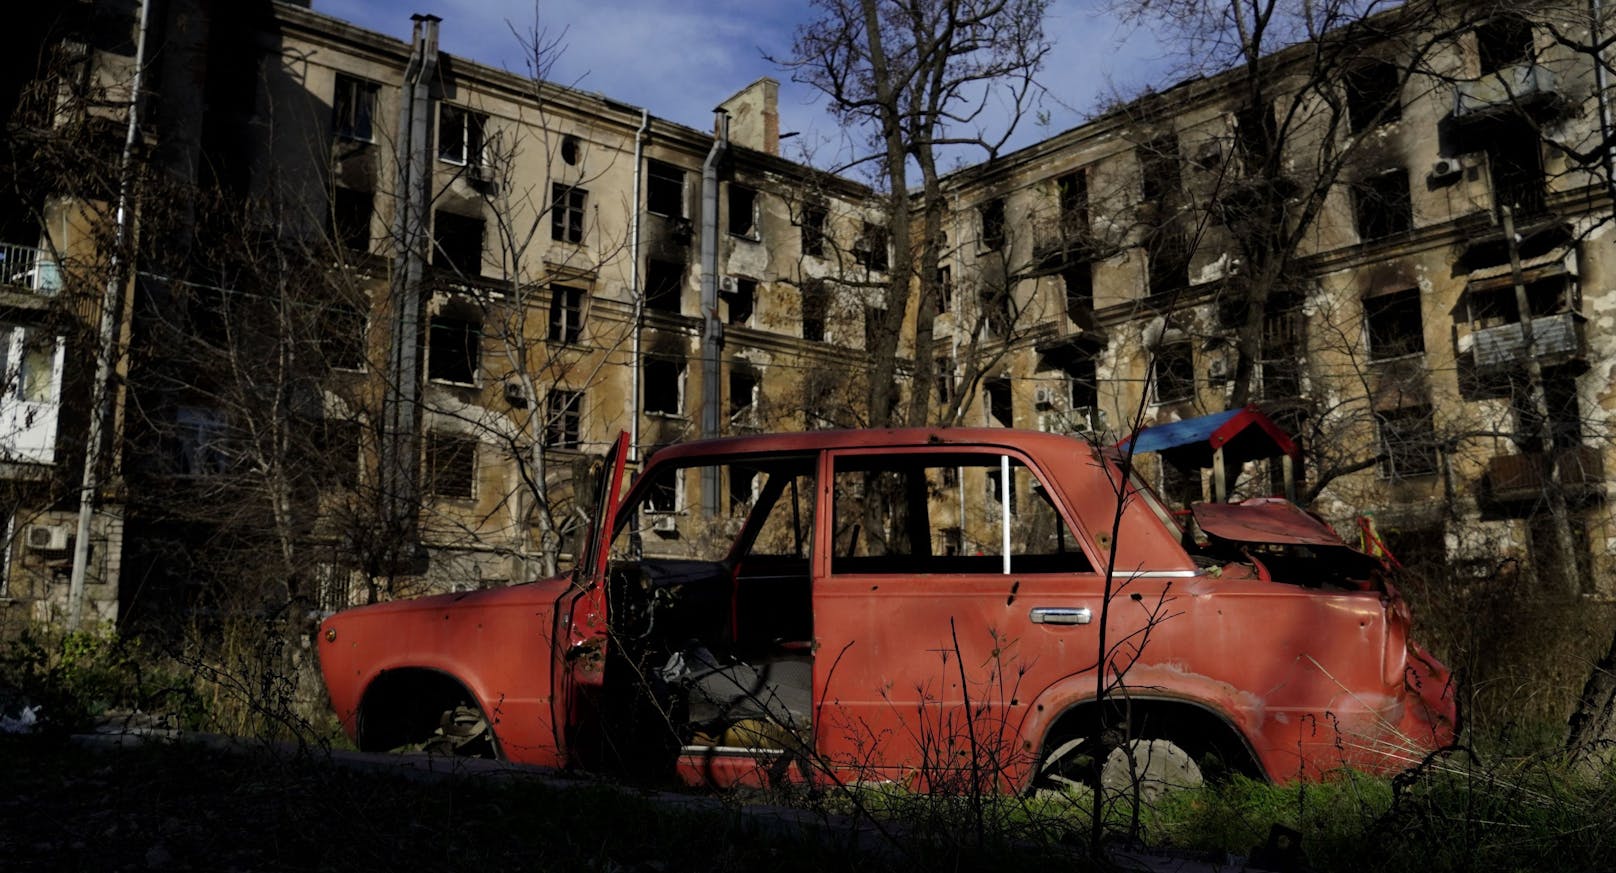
[(917, 605)]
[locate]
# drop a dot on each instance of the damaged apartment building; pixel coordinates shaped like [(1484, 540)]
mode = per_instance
[(387, 305), (382, 308), (1429, 314)]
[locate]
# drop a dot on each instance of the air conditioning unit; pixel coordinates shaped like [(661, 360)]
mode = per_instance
[(665, 524), (48, 537), (1046, 397), (726, 284), (1446, 168), (514, 395), (681, 229)]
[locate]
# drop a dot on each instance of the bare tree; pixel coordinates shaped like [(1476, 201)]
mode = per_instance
[(919, 77)]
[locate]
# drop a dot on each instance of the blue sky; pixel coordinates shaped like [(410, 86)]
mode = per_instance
[(680, 58)]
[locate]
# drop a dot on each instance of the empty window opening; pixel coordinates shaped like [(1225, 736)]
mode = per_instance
[(743, 488), (1072, 194), (351, 211), (743, 391), (1564, 424), (664, 285), (567, 213), (1408, 444), (571, 149), (664, 386), (1161, 181), (1281, 369), (454, 347), (1497, 306), (563, 418), (813, 230), (566, 314), (742, 211), (1083, 380), (200, 443), (1174, 372), (944, 290), (457, 243), (664, 189), (1169, 261), (1374, 95), (1078, 281), (662, 495), (451, 466), (460, 135), (1504, 41), (993, 227), (815, 306), (1001, 402), (1393, 325), (1515, 164), (353, 109), (741, 299), (1382, 205), (871, 249), (943, 382)]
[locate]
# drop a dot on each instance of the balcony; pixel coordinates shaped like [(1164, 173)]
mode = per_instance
[(1518, 479), (1512, 89), (29, 269), (1556, 338)]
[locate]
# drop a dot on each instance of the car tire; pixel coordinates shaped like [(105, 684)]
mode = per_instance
[(463, 732), (1152, 767)]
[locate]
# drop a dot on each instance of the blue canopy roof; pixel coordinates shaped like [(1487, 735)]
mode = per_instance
[(1246, 432)]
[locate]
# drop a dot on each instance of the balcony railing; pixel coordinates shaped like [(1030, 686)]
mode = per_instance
[(1521, 478), (1554, 336), (1510, 88), (29, 268)]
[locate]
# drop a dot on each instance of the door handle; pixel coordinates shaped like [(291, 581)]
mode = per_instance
[(1061, 615)]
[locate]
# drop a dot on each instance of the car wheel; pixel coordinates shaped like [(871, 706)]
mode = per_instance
[(1154, 767), (462, 732)]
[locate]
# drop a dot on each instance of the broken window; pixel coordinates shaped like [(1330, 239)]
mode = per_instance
[(1393, 326), (353, 109), (1168, 270), (947, 513), (1078, 280), (742, 211), (1072, 192), (1374, 95), (563, 418), (944, 382), (874, 326), (662, 495), (1408, 445), (871, 249), (199, 445), (993, 228), (945, 289), (460, 135), (743, 386), (1161, 181), (1564, 424), (815, 306), (342, 336), (664, 386), (1083, 380), (813, 230), (1515, 163), (566, 314), (664, 285), (1382, 205), (454, 346), (1174, 371), (451, 466), (1503, 41), (664, 189), (995, 304), (1281, 370), (350, 218), (1001, 402), (457, 243), (567, 213), (742, 298)]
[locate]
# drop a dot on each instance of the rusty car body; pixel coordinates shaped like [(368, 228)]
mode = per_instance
[(914, 605)]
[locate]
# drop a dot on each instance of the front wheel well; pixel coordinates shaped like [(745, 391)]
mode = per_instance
[(405, 707), (1205, 734)]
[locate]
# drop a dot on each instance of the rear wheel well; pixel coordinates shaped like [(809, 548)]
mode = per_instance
[(406, 708), (1205, 734)]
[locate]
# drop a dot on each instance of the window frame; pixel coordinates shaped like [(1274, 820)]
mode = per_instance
[(1398, 425), (1382, 310), (473, 138), (566, 320), (569, 206), (1384, 223), (681, 376), (1161, 376), (431, 480), (658, 174), (563, 419), (349, 97)]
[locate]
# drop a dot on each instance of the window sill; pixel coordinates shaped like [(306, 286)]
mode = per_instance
[(1393, 359), (749, 237), (667, 416), (450, 383)]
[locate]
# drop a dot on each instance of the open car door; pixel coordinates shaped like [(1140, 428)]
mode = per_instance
[(589, 614)]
